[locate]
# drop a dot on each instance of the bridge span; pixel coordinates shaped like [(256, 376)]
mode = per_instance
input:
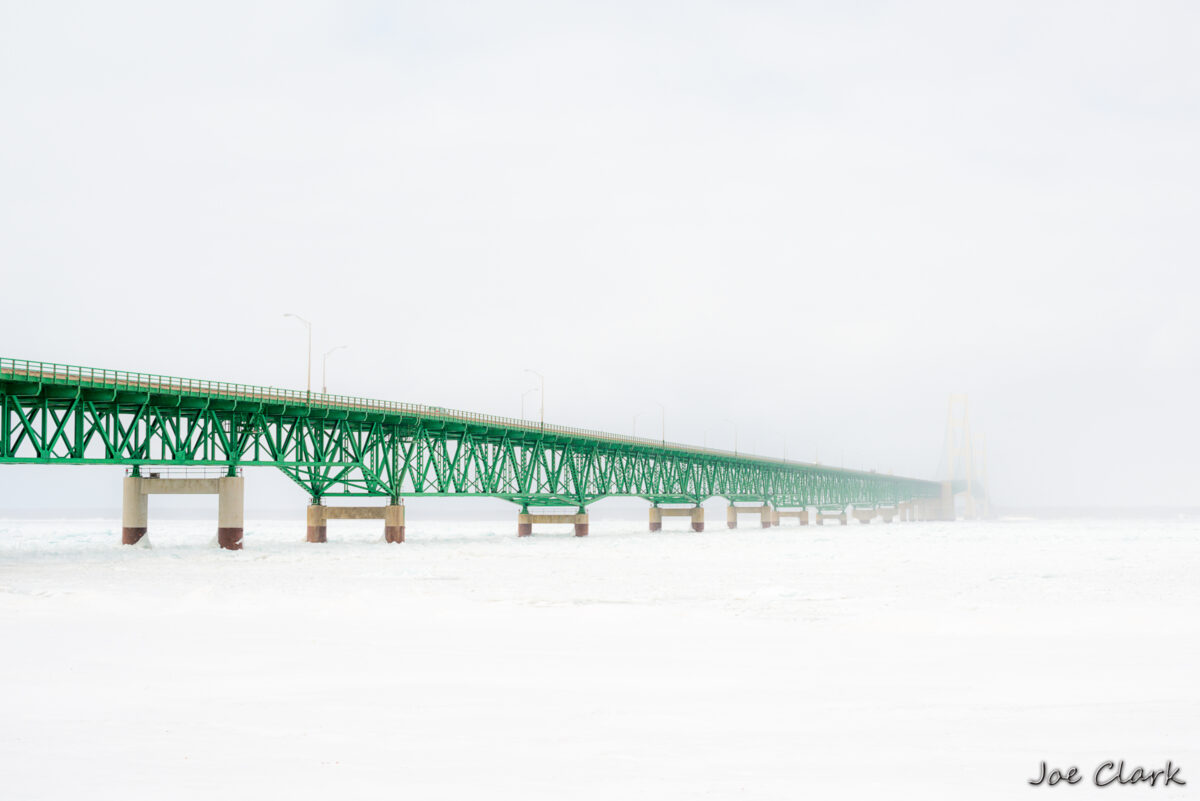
[(335, 446)]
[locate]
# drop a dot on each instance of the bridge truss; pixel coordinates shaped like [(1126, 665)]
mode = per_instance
[(332, 445)]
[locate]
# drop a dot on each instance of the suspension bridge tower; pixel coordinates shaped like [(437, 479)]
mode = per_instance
[(965, 463)]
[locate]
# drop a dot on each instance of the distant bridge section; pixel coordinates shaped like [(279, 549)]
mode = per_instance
[(339, 446)]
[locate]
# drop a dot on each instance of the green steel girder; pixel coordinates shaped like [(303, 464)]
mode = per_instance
[(356, 447)]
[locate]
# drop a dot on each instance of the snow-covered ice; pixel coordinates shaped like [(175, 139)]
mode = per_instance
[(927, 660)]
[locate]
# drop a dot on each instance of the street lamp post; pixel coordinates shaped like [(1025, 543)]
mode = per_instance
[(324, 361), (663, 409), (635, 418), (308, 386), (735, 448), (542, 396), (525, 395)]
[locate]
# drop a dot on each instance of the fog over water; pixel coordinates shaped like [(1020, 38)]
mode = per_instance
[(814, 220)]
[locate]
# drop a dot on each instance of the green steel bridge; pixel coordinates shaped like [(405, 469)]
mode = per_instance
[(338, 446)]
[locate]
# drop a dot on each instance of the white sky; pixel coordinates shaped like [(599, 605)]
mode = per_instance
[(814, 219)]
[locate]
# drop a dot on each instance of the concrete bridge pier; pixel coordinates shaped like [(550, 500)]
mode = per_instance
[(801, 515), (946, 510), (840, 516), (887, 513), (765, 515), (696, 513), (392, 516), (526, 522), (938, 509), (864, 515), (231, 505), (941, 508)]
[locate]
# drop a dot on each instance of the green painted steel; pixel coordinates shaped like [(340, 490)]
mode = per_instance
[(332, 445)]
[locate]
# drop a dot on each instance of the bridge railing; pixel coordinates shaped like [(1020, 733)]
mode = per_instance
[(121, 379)]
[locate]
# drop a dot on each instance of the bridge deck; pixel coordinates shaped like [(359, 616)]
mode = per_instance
[(21, 370), (338, 444)]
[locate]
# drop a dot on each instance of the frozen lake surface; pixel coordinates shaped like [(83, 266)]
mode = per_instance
[(930, 660)]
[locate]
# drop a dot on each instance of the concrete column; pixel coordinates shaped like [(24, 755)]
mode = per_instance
[(731, 516), (698, 519), (655, 518), (135, 511), (317, 525), (524, 524), (393, 523), (231, 503), (581, 528), (947, 510), (766, 515)]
